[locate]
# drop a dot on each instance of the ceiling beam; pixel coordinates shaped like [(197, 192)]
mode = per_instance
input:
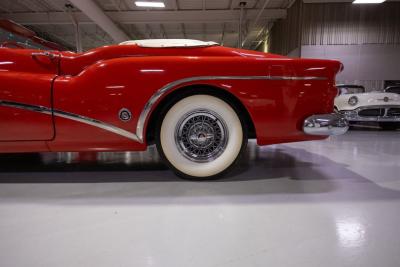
[(147, 17), (97, 15)]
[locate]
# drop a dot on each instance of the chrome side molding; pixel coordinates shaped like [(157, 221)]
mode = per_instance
[(71, 116), (95, 123), (34, 108), (325, 124)]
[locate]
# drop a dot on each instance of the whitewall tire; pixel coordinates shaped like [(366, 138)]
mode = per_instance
[(201, 136)]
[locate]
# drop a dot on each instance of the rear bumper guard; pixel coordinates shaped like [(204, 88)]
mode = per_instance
[(326, 124)]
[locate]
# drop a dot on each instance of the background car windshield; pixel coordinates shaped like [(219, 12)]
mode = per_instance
[(351, 90), (394, 89)]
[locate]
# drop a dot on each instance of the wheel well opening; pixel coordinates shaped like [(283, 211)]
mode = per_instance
[(168, 101)]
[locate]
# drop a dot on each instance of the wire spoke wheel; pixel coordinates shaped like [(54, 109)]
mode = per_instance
[(201, 135)]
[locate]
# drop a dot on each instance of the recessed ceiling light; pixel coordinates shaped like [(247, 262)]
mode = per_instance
[(149, 4), (368, 1)]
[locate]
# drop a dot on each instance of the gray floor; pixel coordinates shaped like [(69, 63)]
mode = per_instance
[(326, 203)]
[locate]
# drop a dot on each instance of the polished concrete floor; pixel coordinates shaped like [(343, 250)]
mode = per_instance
[(325, 203)]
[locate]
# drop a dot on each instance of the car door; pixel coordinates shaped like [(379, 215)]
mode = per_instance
[(26, 78)]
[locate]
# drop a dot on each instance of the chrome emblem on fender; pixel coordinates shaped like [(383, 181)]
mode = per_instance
[(385, 99), (125, 115)]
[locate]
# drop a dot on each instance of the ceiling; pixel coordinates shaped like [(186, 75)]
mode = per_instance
[(208, 20)]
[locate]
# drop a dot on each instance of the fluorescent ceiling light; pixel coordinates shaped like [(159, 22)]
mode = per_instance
[(149, 4), (368, 1)]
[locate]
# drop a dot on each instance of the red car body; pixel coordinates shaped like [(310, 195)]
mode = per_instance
[(64, 101)]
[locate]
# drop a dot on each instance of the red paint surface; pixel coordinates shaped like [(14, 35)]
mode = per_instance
[(25, 79), (100, 82)]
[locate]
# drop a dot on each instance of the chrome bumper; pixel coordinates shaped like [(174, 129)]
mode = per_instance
[(325, 124)]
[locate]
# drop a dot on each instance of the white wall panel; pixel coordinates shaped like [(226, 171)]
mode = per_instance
[(368, 62), (345, 23)]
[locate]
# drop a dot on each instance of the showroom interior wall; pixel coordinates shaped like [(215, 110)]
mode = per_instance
[(366, 38), (284, 38)]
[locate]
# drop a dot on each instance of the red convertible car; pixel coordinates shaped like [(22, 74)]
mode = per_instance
[(197, 101)]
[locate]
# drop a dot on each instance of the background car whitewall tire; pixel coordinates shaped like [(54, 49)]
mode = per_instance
[(201, 136)]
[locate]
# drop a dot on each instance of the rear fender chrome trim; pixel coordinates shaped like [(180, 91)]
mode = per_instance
[(157, 95), (35, 108), (96, 123), (71, 116)]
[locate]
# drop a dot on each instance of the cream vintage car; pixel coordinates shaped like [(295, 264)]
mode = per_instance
[(359, 106)]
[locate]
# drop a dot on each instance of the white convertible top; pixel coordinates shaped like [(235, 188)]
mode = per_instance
[(169, 43)]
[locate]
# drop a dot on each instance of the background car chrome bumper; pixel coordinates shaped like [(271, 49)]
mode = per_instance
[(325, 124), (387, 113)]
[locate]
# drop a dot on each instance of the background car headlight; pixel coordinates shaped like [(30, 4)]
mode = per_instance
[(353, 101)]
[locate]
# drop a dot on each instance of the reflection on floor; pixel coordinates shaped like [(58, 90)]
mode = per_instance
[(325, 203)]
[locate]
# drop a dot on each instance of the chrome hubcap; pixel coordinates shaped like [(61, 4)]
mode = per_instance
[(201, 135)]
